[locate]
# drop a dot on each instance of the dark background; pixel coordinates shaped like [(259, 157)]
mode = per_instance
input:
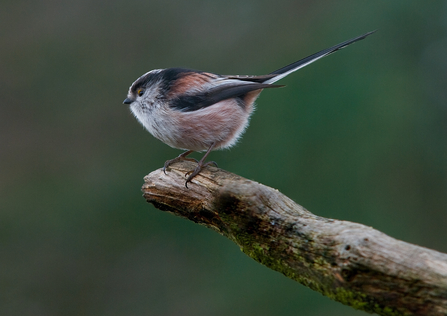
[(360, 135)]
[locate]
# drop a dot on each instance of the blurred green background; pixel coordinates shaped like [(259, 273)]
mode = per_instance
[(360, 135)]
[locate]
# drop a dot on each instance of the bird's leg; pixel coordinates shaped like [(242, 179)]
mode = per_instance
[(180, 157), (200, 166)]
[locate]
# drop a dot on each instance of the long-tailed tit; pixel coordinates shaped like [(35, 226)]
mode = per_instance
[(202, 111)]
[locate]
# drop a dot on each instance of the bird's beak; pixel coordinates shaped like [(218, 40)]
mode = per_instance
[(128, 101)]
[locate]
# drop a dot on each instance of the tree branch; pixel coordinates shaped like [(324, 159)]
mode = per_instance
[(348, 262)]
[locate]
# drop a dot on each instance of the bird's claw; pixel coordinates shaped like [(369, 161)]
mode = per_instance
[(197, 170), (181, 157)]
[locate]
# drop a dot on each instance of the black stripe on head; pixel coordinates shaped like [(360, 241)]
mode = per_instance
[(166, 76), (145, 80)]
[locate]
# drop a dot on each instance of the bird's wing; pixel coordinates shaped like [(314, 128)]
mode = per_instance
[(225, 89)]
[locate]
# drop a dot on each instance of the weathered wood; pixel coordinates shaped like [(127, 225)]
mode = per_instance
[(348, 262)]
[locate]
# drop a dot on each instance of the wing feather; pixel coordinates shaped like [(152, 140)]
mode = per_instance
[(235, 89)]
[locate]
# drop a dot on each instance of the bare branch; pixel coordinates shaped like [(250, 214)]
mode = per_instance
[(348, 262)]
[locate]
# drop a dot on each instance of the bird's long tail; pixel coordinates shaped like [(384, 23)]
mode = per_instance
[(285, 71)]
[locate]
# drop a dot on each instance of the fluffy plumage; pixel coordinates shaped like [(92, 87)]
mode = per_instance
[(197, 111)]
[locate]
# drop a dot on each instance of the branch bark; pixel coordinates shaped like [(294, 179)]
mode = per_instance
[(348, 262)]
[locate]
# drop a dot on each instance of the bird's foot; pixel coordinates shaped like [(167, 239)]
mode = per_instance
[(180, 157), (197, 170)]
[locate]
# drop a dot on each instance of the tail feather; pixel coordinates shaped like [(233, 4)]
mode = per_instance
[(285, 71)]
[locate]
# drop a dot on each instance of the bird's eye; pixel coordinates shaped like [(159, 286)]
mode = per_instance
[(140, 92)]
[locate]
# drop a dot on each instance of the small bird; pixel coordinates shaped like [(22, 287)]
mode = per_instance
[(202, 111)]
